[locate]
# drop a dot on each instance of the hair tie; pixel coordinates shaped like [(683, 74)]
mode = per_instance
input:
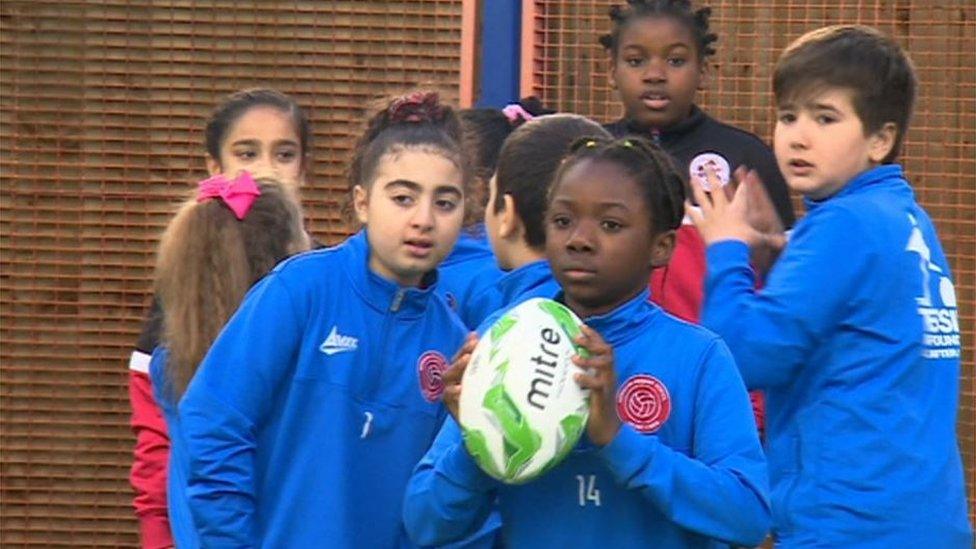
[(515, 112), (239, 193), (590, 144), (416, 107), (628, 143)]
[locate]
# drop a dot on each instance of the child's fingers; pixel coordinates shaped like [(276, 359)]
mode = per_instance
[(693, 213), (701, 198), (715, 187), (470, 342)]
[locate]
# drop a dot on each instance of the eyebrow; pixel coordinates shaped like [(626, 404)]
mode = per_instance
[(256, 142), (604, 205), (417, 187)]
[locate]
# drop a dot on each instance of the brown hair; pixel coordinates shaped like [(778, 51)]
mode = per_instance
[(857, 58), (208, 259), (414, 120), (237, 104)]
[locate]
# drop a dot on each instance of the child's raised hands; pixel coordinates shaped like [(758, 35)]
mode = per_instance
[(601, 379), (452, 377)]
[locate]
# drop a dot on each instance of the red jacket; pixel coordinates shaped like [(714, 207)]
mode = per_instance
[(678, 288), (151, 457)]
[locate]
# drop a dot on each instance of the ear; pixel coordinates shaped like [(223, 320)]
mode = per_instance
[(508, 220), (881, 142), (661, 248), (213, 167), (612, 73), (360, 203)]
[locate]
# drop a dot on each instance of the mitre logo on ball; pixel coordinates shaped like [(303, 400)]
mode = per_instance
[(521, 411)]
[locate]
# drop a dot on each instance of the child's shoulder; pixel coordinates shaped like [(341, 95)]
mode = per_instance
[(670, 326), (730, 135)]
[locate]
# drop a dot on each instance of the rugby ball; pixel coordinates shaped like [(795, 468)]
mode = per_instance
[(520, 410)]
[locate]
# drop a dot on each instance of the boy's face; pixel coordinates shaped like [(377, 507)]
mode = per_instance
[(413, 212), (656, 71), (599, 239), (820, 143), (264, 142)]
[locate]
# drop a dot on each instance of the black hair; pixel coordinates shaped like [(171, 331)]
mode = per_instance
[(527, 162), (485, 131), (857, 58), (680, 10), (237, 104), (650, 167), (415, 120)]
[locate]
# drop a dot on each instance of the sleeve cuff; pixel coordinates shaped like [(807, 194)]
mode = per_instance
[(154, 532), (139, 362), (458, 466), (628, 451)]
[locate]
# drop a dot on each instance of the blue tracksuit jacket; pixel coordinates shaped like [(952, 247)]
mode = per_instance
[(686, 466), (531, 278), (855, 339), (307, 416), (468, 271)]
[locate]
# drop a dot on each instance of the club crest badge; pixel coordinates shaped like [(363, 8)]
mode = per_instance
[(430, 368), (696, 169), (644, 402)]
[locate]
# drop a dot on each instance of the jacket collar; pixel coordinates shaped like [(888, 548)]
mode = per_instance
[(671, 133), (626, 321), (887, 176), (525, 278), (380, 293)]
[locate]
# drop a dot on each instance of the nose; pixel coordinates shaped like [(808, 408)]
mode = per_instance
[(423, 215), (264, 166), (654, 71), (580, 240), (797, 137)]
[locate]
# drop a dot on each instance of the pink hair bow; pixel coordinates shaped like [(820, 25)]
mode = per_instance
[(515, 111), (238, 193)]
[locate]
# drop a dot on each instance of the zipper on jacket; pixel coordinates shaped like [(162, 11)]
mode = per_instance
[(398, 300)]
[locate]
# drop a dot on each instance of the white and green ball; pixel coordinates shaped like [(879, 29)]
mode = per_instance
[(521, 411)]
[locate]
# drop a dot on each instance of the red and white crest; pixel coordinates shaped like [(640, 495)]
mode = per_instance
[(430, 368), (644, 402)]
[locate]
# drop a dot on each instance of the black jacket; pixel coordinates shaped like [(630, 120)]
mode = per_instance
[(700, 138)]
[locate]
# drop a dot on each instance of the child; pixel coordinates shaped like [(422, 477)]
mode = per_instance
[(516, 208), (470, 269), (855, 337), (216, 247), (659, 51), (671, 458), (308, 414), (267, 134)]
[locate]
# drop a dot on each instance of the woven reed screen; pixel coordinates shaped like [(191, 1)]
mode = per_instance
[(568, 70), (101, 126)]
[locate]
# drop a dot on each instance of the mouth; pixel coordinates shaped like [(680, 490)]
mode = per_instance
[(655, 101), (578, 274), (419, 247), (799, 167)]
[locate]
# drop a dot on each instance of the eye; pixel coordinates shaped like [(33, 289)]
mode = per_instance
[(402, 199), (634, 61), (677, 61), (560, 221), (611, 226), (445, 204), (287, 155), (786, 117), (825, 119), (245, 154)]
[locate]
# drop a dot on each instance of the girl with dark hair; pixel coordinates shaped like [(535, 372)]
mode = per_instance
[(310, 410), (265, 133)]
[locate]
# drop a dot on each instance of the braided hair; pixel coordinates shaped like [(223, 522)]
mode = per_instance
[(679, 10), (649, 166)]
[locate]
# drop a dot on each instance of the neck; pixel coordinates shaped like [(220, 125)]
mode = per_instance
[(521, 255)]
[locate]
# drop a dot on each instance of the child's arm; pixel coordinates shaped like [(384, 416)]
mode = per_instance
[(720, 490), (448, 497), (228, 399), (773, 332), (150, 457)]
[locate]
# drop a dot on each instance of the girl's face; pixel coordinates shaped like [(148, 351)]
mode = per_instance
[(656, 71), (413, 211), (599, 237), (264, 142)]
